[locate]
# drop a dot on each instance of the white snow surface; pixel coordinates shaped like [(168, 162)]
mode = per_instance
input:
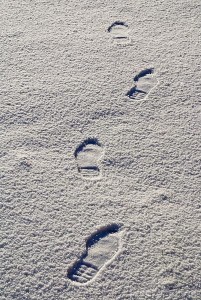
[(64, 79)]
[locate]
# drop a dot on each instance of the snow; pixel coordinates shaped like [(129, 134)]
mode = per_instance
[(64, 81)]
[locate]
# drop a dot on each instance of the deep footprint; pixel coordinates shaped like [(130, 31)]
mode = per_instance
[(101, 248), (119, 32), (145, 81), (88, 155)]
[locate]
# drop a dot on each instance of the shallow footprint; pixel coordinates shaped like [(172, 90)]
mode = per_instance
[(120, 33), (101, 248), (88, 155), (145, 81)]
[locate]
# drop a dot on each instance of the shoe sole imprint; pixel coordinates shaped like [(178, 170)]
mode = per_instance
[(88, 155), (120, 33), (145, 82), (102, 247)]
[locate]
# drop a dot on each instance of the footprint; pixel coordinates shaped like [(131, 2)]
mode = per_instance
[(88, 155), (120, 33), (145, 81), (101, 248)]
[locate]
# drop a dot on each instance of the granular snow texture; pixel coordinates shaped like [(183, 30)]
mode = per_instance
[(100, 123)]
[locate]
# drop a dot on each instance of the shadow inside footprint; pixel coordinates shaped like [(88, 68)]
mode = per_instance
[(145, 81), (143, 73), (88, 155), (133, 91), (116, 23), (101, 247)]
